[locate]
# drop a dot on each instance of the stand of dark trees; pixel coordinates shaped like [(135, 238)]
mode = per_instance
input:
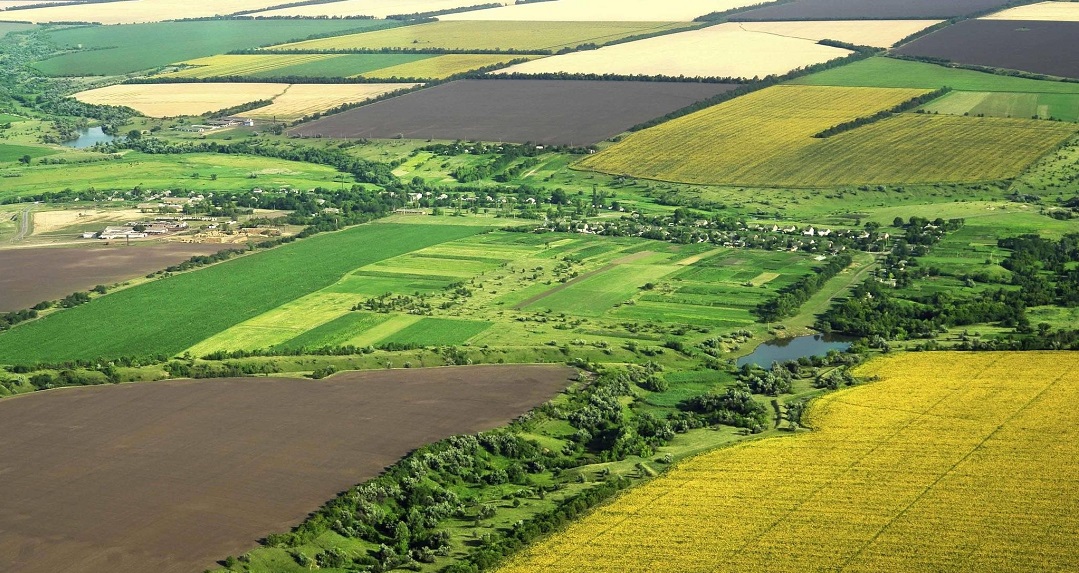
[(881, 115), (792, 297)]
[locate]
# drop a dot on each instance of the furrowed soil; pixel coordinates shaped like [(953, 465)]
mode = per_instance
[(40, 274), (169, 476)]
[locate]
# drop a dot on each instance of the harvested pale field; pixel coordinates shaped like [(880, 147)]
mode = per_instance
[(52, 221), (766, 139), (375, 8), (441, 67), (484, 36), (140, 11), (951, 462), (731, 53), (166, 477), (879, 33), (300, 100), (243, 65), (173, 100), (5, 4), (604, 11), (868, 9), (53, 273), (1045, 11)]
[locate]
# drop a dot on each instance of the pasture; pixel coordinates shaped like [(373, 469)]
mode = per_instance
[(138, 11), (1042, 11), (298, 269), (174, 100), (53, 273), (10, 153), (486, 35), (879, 33), (603, 11), (113, 50), (540, 111), (1036, 47), (971, 440), (374, 8), (868, 10), (765, 139), (1064, 107), (297, 65), (739, 54), (206, 468), (300, 100)]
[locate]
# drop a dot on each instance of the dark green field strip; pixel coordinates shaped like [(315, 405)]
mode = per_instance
[(169, 315), (111, 50), (336, 332), (437, 331), (432, 278), (342, 66)]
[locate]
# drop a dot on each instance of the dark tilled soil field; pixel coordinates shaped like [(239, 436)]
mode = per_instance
[(868, 9), (1038, 47), (563, 112), (171, 476), (29, 276)]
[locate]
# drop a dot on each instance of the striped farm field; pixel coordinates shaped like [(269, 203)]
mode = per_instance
[(765, 139), (300, 100), (172, 100), (293, 65), (951, 462), (472, 35), (441, 67)]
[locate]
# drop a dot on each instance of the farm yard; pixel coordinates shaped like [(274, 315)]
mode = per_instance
[(742, 55), (174, 100), (602, 11), (540, 111), (111, 50), (868, 10), (1036, 46), (372, 8), (766, 138), (878, 33), (53, 273), (867, 490), (241, 457), (1043, 11), (485, 35)]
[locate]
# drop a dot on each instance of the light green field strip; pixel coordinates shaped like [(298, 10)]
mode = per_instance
[(438, 332), (679, 313), (415, 265), (1003, 104), (392, 325), (280, 324), (338, 331)]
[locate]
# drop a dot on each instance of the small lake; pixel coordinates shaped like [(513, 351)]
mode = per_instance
[(90, 137), (783, 349)]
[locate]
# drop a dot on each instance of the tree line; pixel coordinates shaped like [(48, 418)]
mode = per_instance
[(911, 103)]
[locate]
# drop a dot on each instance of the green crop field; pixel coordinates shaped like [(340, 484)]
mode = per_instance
[(596, 294), (137, 319), (482, 35), (191, 171), (112, 50), (765, 139), (893, 73), (337, 332), (1064, 107), (10, 152), (437, 331)]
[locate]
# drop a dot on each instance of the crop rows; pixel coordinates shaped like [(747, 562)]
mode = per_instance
[(230, 65), (951, 462)]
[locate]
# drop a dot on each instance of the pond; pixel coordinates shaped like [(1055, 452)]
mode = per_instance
[(783, 349), (89, 137)]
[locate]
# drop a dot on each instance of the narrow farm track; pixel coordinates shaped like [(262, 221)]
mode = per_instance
[(25, 225)]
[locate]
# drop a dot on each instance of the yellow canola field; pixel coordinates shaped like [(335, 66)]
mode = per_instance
[(717, 51), (1043, 11), (300, 100), (466, 35), (172, 100), (766, 139), (951, 462), (139, 11), (879, 33)]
